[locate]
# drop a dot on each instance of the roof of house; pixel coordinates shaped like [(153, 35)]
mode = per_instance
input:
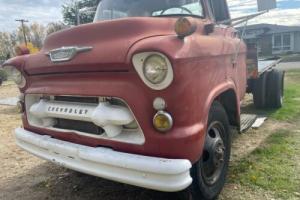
[(272, 28)]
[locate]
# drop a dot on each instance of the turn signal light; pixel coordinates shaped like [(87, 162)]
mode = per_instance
[(162, 121), (184, 27), (21, 50)]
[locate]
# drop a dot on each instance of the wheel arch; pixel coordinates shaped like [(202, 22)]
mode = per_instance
[(226, 94), (229, 101)]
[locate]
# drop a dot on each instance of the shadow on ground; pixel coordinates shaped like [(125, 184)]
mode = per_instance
[(66, 184)]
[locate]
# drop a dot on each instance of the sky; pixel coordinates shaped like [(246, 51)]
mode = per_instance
[(45, 11), (41, 11), (287, 12)]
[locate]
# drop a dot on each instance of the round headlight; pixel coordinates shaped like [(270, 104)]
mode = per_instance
[(16, 76), (155, 69)]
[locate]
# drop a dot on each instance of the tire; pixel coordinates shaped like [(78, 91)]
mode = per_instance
[(209, 176), (275, 89), (259, 91)]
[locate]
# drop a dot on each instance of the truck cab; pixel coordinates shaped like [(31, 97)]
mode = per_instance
[(144, 95)]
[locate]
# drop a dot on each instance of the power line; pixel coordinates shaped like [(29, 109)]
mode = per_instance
[(23, 21)]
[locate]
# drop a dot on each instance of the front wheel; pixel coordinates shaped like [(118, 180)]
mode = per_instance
[(209, 173)]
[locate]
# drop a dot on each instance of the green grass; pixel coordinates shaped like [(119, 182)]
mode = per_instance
[(272, 167), (291, 107), (275, 165)]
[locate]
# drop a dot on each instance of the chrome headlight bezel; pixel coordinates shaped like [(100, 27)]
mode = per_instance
[(140, 63), (16, 75)]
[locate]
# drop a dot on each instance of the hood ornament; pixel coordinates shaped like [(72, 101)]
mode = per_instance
[(65, 54)]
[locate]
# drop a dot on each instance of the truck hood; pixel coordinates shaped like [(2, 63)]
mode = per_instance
[(110, 42)]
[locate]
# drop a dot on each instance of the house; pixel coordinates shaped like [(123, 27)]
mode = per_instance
[(273, 39)]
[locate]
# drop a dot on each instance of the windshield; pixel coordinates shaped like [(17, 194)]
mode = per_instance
[(114, 9)]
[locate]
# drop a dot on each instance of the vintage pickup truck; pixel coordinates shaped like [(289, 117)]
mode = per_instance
[(146, 95)]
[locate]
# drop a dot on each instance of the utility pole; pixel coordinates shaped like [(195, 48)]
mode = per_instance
[(23, 21)]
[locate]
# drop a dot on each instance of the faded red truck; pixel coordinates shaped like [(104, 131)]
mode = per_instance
[(146, 95)]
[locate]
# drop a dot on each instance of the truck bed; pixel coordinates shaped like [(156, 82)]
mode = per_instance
[(264, 65)]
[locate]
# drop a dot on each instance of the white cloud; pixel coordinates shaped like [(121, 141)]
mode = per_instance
[(289, 17), (41, 11), (281, 16)]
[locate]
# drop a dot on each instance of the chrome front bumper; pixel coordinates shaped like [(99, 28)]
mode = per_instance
[(168, 175)]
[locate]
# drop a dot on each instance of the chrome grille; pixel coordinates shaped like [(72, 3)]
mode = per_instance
[(100, 117)]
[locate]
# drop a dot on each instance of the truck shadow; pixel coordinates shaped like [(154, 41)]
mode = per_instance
[(248, 108), (57, 183)]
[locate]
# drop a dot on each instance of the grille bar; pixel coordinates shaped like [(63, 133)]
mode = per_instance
[(86, 127), (93, 100)]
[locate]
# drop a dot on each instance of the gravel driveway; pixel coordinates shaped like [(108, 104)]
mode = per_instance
[(289, 66)]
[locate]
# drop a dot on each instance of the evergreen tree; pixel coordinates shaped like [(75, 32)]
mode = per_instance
[(72, 8)]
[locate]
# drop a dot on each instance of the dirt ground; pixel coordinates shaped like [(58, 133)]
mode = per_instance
[(26, 177), (289, 66), (8, 89)]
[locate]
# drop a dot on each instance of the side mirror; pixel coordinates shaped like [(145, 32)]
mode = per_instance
[(264, 5), (21, 50)]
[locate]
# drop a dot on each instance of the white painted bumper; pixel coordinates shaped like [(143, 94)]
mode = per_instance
[(168, 175)]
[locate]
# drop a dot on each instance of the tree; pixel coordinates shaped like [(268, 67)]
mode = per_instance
[(37, 35), (54, 27), (20, 35), (72, 8), (32, 49), (6, 48), (13, 39)]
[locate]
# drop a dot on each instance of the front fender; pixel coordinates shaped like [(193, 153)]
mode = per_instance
[(201, 64), (19, 63)]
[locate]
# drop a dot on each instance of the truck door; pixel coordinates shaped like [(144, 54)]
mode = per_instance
[(235, 71)]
